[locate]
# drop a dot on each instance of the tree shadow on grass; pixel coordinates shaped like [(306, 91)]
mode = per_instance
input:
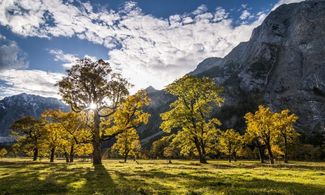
[(29, 182), (57, 178), (144, 182), (98, 181)]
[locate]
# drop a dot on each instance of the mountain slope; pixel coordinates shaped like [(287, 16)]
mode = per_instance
[(15, 107), (282, 65)]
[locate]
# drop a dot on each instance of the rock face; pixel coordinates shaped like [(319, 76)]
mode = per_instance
[(15, 107), (282, 65)]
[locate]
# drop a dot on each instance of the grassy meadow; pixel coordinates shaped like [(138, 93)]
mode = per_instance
[(22, 176)]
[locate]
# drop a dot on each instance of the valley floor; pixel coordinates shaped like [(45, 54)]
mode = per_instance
[(21, 176)]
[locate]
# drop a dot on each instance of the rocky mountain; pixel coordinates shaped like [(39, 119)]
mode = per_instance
[(282, 65), (15, 107)]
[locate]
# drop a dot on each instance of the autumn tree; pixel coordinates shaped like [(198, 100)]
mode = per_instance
[(127, 143), (261, 125), (159, 146), (3, 152), (191, 112), (125, 120), (29, 135), (74, 130), (285, 132), (230, 142), (53, 138), (93, 86)]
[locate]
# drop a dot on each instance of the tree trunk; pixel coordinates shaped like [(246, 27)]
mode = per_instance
[(260, 151), (285, 150), (52, 153), (269, 150), (235, 156), (126, 156), (201, 155), (66, 157), (97, 154), (35, 155), (229, 158), (71, 153)]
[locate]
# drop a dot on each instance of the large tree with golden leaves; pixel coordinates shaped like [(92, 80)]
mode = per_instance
[(191, 112), (93, 86), (271, 128)]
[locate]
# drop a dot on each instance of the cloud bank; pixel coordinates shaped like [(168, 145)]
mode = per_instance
[(28, 81)]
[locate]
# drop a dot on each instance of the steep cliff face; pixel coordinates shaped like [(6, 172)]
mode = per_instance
[(282, 65)]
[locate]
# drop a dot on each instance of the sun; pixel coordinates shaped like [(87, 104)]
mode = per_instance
[(92, 106)]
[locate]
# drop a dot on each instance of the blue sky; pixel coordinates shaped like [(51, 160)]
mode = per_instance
[(149, 42)]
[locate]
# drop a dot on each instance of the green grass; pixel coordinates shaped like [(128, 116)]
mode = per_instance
[(19, 176)]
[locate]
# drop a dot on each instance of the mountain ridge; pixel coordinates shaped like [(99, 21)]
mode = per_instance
[(14, 107)]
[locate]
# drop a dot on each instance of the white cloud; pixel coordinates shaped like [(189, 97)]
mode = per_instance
[(11, 56), (245, 15), (148, 50), (37, 82), (68, 59)]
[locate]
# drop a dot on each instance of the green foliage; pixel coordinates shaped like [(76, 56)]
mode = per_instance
[(29, 134), (191, 112)]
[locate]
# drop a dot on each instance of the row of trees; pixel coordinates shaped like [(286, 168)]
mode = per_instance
[(191, 114), (70, 133), (102, 109)]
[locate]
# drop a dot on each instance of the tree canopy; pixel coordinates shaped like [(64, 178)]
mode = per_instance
[(191, 113)]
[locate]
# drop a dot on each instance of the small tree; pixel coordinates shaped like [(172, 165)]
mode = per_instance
[(3, 152), (127, 143), (124, 122), (285, 131), (53, 138), (230, 142), (93, 86), (261, 125), (158, 147), (74, 130), (191, 112), (29, 134)]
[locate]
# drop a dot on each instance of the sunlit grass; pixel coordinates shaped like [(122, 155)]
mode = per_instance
[(21, 176)]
